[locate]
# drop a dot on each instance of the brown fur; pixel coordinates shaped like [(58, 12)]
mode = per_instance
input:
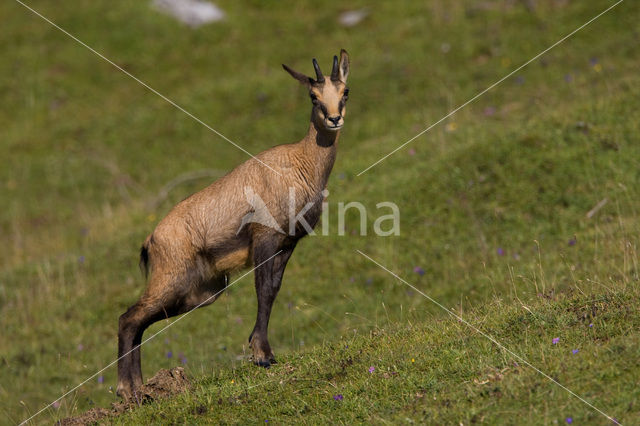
[(194, 249)]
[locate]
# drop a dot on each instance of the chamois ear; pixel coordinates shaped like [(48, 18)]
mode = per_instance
[(344, 66), (306, 81)]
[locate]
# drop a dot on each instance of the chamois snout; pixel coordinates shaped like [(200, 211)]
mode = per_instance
[(336, 121)]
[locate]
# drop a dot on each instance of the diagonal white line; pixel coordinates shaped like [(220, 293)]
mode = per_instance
[(146, 85), (149, 338), (491, 87), (492, 339)]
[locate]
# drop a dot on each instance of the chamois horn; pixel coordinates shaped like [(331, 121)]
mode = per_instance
[(319, 76), (334, 71)]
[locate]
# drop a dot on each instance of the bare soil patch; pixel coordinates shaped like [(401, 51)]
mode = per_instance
[(165, 383)]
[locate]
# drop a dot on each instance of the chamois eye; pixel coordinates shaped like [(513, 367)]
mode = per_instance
[(345, 94)]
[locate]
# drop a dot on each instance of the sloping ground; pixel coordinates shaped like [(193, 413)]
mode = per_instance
[(441, 371), (493, 203)]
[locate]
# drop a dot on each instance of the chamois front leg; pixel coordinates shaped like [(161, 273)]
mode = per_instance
[(268, 280)]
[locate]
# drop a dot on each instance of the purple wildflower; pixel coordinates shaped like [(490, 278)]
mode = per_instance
[(372, 369), (519, 79), (569, 420), (555, 340), (170, 354), (80, 346), (56, 404), (573, 241), (369, 281), (568, 78), (183, 359), (418, 270), (593, 61), (81, 260), (101, 379), (500, 251), (412, 152), (338, 397), (590, 325), (575, 351)]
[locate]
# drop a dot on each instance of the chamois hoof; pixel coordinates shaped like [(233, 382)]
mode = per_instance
[(126, 393), (262, 353), (130, 394), (263, 363)]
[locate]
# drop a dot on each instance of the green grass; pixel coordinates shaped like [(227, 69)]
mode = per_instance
[(489, 201), (438, 371)]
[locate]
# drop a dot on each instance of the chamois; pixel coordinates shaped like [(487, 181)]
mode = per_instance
[(192, 251)]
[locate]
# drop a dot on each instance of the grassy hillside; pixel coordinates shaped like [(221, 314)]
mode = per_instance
[(438, 372), (493, 203)]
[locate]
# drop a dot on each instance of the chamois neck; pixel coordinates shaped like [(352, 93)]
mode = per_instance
[(319, 147), (322, 137)]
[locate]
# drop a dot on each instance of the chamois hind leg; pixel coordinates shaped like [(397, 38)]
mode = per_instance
[(268, 280), (151, 307), (131, 327), (158, 302)]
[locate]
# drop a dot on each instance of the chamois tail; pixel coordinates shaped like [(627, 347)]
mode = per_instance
[(144, 257)]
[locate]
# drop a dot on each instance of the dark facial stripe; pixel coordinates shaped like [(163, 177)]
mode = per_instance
[(324, 110)]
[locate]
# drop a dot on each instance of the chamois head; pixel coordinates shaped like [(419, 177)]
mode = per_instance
[(328, 95)]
